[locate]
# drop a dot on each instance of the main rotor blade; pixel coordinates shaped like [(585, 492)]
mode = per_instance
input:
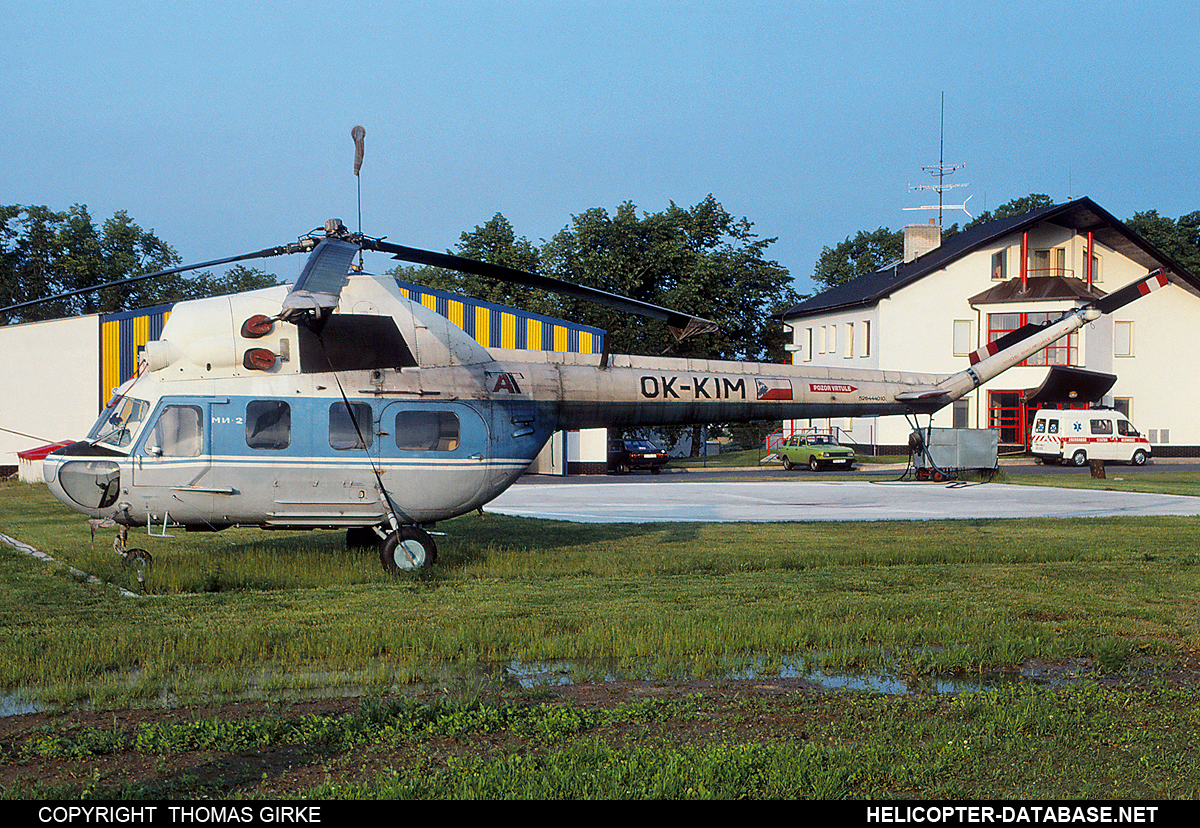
[(295, 247), (1152, 281), (682, 323)]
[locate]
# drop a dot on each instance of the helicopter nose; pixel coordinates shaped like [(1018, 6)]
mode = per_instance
[(86, 485)]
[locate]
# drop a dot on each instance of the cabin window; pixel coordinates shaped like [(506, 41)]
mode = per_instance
[(268, 424), (1102, 427), (1126, 429), (179, 432), (427, 431), (343, 433)]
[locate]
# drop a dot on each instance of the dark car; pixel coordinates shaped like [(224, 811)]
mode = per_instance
[(625, 456)]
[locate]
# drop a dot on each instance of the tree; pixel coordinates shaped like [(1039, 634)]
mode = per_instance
[(854, 257), (44, 253), (699, 259), (495, 243), (1178, 238), (1016, 207), (868, 252)]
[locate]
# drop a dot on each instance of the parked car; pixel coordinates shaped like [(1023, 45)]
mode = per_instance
[(817, 451), (1076, 436), (626, 455)]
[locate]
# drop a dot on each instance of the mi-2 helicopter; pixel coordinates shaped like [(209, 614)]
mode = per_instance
[(339, 403)]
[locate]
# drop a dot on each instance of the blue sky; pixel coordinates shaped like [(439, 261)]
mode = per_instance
[(226, 128)]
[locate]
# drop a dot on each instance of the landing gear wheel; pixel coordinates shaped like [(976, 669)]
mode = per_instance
[(141, 561), (1079, 458), (406, 550), (813, 465), (139, 558)]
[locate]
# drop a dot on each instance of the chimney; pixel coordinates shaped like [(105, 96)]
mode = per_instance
[(919, 239)]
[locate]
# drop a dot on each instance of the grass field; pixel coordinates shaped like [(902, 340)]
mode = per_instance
[(252, 614)]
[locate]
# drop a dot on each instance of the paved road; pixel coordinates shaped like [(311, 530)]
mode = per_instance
[(775, 495)]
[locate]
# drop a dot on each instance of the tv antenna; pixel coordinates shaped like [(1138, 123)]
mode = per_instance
[(940, 171)]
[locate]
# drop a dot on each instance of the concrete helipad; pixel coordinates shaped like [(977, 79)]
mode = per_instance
[(777, 500)]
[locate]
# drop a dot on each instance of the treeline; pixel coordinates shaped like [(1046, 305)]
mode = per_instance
[(869, 251), (44, 253), (698, 259)]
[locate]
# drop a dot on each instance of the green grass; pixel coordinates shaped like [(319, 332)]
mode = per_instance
[(228, 611), (1024, 741), (247, 613)]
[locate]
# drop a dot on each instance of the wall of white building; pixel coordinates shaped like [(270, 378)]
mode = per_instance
[(49, 376), (1145, 344)]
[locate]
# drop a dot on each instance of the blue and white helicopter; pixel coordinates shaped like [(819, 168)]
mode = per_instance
[(339, 403)]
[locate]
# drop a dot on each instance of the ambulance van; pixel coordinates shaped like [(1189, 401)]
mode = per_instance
[(1076, 436)]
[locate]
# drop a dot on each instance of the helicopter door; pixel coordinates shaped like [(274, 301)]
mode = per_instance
[(174, 451), (434, 457)]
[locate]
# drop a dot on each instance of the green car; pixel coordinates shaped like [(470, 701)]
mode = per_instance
[(817, 451)]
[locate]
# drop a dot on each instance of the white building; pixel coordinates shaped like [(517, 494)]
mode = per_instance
[(944, 300)]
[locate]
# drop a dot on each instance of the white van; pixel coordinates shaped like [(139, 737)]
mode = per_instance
[(1076, 436)]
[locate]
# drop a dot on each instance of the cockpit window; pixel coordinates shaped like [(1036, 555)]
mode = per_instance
[(119, 423)]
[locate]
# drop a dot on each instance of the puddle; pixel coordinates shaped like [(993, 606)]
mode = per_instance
[(276, 685), (531, 675), (12, 704)]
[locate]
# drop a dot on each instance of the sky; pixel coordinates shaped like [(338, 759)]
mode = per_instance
[(225, 128)]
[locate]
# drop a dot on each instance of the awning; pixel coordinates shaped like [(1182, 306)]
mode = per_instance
[(39, 453), (1071, 385)]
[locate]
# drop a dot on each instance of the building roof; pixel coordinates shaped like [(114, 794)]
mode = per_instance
[(1082, 215), (1037, 287)]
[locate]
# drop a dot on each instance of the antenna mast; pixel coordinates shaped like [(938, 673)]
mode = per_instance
[(359, 134), (940, 172)]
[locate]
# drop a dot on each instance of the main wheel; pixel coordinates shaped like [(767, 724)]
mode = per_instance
[(813, 465), (1079, 458), (1139, 458), (407, 549)]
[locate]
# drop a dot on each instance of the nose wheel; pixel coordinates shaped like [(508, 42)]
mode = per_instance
[(407, 549)]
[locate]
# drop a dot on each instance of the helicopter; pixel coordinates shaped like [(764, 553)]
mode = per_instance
[(340, 403)]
